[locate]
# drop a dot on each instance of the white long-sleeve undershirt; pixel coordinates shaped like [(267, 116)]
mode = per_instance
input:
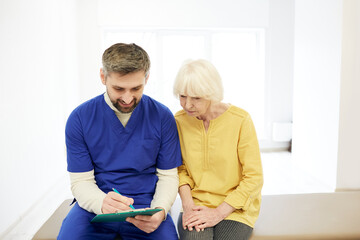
[(90, 197)]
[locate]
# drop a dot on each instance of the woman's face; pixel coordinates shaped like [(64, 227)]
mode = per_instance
[(194, 106)]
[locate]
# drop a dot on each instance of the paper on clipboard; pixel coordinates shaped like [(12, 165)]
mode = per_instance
[(121, 216)]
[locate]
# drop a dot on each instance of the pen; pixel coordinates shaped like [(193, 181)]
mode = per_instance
[(120, 194)]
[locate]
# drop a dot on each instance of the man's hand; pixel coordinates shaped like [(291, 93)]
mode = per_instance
[(114, 202), (147, 224)]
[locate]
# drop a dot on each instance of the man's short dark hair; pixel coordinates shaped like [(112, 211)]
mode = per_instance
[(125, 58)]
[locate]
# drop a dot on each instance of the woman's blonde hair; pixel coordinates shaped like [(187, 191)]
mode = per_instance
[(199, 78)]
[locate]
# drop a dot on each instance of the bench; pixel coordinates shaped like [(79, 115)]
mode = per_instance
[(292, 216)]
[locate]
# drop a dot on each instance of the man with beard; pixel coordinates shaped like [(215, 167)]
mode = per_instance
[(125, 140)]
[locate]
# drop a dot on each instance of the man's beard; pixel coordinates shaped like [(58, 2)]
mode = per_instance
[(123, 109)]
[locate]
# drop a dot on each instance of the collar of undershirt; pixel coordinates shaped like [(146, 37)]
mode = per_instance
[(123, 117)]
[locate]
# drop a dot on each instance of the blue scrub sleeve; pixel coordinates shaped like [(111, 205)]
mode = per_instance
[(169, 154), (78, 156)]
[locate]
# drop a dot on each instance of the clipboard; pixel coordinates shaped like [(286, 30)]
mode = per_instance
[(121, 216)]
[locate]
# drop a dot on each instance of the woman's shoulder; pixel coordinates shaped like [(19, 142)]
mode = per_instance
[(238, 112), (180, 114)]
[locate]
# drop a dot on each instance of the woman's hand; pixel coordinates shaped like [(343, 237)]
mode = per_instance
[(188, 213), (187, 204), (202, 217)]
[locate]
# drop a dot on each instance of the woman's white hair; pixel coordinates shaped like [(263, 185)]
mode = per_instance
[(199, 78)]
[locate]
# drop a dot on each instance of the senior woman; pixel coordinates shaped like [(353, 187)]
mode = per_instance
[(221, 176)]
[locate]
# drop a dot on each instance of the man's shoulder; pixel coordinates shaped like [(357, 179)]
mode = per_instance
[(88, 107), (90, 104), (155, 105)]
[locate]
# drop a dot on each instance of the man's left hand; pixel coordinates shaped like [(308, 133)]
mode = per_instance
[(147, 224)]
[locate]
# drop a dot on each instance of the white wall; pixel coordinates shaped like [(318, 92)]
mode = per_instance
[(38, 64), (348, 176), (89, 49), (316, 99), (184, 13)]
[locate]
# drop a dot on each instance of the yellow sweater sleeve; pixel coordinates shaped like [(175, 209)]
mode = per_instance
[(184, 177), (252, 178)]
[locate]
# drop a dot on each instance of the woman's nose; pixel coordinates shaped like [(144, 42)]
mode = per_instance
[(188, 103)]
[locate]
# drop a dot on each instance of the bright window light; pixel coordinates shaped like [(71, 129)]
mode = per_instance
[(238, 54)]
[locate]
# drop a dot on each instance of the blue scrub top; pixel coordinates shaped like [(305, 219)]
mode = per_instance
[(123, 158)]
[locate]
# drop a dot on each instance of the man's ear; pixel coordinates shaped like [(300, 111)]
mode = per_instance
[(147, 77), (102, 76)]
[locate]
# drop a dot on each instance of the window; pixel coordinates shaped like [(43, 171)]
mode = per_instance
[(238, 54)]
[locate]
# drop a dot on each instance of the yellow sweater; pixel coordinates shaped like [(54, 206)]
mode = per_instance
[(222, 164)]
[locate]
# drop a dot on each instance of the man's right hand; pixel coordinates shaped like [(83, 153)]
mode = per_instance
[(114, 202)]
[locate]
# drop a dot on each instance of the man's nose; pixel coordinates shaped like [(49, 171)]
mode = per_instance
[(127, 97)]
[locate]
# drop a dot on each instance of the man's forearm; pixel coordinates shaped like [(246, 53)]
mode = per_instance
[(87, 193), (166, 189)]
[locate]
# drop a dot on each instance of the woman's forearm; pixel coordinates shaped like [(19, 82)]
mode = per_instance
[(225, 209), (186, 197)]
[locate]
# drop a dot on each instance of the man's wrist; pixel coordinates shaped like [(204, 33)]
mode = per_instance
[(163, 212)]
